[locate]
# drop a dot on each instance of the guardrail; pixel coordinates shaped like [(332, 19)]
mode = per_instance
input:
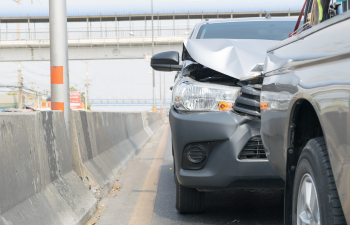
[(98, 32)]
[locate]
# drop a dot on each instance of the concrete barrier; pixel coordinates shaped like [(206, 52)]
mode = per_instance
[(104, 142), (154, 121), (43, 181), (136, 129), (38, 184), (145, 124)]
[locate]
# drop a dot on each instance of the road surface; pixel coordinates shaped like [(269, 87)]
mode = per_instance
[(145, 194)]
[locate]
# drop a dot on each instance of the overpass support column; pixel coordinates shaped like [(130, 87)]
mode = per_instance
[(59, 59)]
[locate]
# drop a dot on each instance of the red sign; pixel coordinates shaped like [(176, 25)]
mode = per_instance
[(75, 100), (80, 106), (75, 93), (75, 97)]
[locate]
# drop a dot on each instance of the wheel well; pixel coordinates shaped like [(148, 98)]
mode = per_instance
[(303, 126), (306, 126)]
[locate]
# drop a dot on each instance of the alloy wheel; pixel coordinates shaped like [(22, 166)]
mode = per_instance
[(308, 212)]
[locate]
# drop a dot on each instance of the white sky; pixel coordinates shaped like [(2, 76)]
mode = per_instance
[(120, 78), (37, 2)]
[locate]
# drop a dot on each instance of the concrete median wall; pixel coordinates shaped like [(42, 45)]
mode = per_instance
[(44, 180), (37, 181), (104, 142), (154, 121)]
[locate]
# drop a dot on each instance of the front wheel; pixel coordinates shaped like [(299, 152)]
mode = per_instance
[(315, 196), (188, 200)]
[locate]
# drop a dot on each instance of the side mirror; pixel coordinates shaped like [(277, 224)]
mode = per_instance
[(171, 88), (166, 61)]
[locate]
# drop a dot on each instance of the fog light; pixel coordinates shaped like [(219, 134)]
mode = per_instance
[(196, 153)]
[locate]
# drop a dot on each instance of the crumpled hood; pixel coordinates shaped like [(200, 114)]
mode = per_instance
[(235, 58)]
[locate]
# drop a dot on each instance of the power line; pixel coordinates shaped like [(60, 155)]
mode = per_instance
[(48, 75), (23, 87)]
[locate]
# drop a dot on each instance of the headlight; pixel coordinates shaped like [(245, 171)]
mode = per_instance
[(190, 95), (275, 100)]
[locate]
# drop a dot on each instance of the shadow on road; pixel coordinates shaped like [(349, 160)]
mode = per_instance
[(260, 207)]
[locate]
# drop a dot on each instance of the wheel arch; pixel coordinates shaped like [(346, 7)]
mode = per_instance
[(304, 123)]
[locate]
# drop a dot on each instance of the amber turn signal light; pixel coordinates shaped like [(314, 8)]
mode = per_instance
[(224, 106), (263, 105)]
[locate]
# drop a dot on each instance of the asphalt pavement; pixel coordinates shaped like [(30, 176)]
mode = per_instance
[(136, 200)]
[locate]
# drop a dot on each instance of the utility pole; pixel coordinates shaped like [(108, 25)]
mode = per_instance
[(160, 90), (18, 25), (154, 82), (37, 93), (59, 60), (86, 86), (19, 70), (20, 104)]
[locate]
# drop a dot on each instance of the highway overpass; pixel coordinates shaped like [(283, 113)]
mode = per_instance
[(121, 39)]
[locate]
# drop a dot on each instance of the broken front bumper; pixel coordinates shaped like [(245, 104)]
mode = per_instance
[(225, 134)]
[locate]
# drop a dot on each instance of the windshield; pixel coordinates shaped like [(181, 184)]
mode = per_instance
[(264, 30)]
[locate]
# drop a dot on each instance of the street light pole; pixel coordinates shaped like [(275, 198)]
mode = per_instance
[(59, 60), (37, 92), (154, 82), (87, 86), (20, 103)]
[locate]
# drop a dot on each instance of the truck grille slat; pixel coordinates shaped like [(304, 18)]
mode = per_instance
[(254, 149), (254, 97), (250, 91), (246, 109), (249, 101)]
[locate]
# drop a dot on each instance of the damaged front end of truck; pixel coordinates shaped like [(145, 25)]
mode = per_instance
[(215, 115)]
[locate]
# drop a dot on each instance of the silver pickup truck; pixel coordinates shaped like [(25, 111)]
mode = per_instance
[(214, 147), (305, 115)]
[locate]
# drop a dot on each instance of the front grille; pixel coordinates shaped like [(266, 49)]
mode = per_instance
[(254, 97), (249, 101), (252, 108), (254, 149)]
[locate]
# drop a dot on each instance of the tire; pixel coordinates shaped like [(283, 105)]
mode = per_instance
[(189, 200), (314, 175)]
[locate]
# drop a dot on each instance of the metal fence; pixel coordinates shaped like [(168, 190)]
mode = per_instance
[(125, 101), (97, 32)]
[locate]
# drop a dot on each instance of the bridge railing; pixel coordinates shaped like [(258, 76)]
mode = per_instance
[(127, 101), (98, 32)]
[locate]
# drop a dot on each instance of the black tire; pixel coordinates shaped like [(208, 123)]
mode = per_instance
[(188, 200), (314, 161)]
